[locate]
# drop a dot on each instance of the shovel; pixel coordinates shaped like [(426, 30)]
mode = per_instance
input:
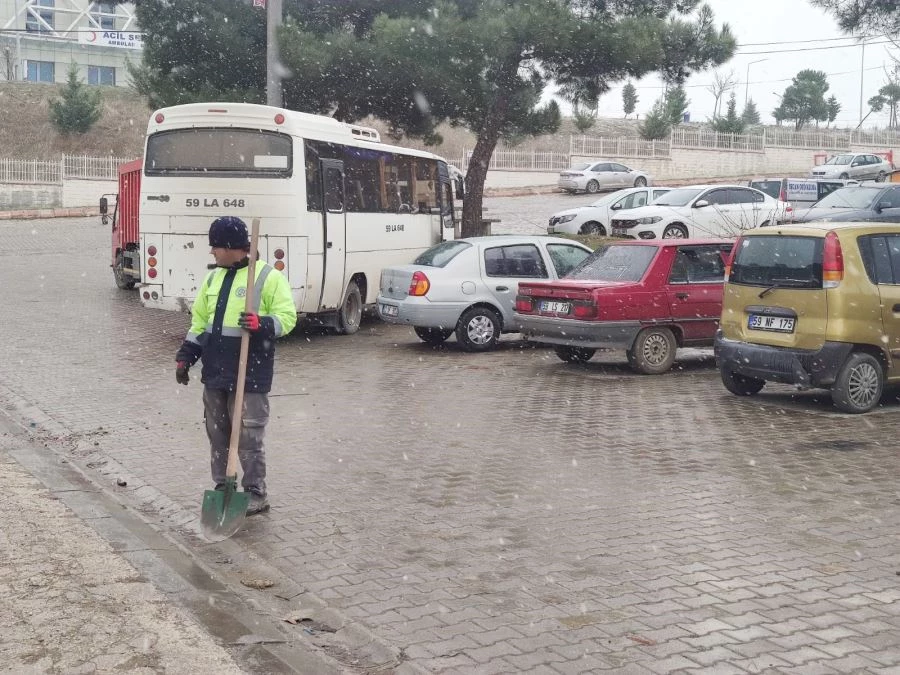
[(225, 510)]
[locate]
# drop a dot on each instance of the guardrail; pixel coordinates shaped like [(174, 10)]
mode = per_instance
[(618, 147)]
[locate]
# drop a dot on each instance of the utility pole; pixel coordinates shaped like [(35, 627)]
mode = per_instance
[(862, 63), (747, 81), (273, 66)]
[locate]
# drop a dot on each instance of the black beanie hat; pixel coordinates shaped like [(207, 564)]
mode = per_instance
[(228, 232)]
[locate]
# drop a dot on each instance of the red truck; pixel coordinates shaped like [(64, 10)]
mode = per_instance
[(648, 297), (125, 227)]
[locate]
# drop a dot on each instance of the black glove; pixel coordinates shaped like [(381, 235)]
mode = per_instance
[(181, 373)]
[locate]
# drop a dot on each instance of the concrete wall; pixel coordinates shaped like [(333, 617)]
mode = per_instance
[(82, 192), (17, 196)]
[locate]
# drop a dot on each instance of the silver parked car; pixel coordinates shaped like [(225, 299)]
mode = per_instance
[(594, 218), (850, 165), (468, 286), (601, 174)]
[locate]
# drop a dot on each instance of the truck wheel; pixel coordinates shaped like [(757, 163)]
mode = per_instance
[(433, 336), (478, 329), (653, 351), (575, 354), (740, 385), (123, 281), (350, 312), (858, 386)]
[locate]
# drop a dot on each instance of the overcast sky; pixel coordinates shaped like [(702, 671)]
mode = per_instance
[(790, 23)]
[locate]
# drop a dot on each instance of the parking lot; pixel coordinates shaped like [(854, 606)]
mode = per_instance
[(499, 512)]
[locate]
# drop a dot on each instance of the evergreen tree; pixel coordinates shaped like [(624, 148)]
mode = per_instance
[(657, 123), (583, 118), (79, 109), (804, 99), (833, 108), (750, 114), (732, 123), (629, 98), (881, 17), (676, 105)]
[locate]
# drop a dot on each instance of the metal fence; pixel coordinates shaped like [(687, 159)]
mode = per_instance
[(29, 171), (535, 160), (617, 147), (53, 172), (79, 166), (811, 140), (707, 139)]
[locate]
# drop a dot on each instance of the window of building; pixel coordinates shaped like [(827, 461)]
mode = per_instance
[(102, 75), (41, 71), (44, 10), (103, 14)]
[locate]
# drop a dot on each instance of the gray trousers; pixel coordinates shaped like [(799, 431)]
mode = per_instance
[(217, 407)]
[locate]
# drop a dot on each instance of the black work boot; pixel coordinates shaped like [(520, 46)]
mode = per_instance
[(258, 504)]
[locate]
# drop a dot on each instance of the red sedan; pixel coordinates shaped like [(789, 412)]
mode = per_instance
[(648, 297)]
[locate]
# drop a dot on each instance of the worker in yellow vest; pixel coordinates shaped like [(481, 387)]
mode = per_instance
[(218, 318)]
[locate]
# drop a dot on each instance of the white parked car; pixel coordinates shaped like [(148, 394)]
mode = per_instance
[(850, 165), (701, 211), (601, 174), (468, 286), (594, 218)]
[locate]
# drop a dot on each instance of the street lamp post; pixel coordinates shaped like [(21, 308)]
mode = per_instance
[(747, 81)]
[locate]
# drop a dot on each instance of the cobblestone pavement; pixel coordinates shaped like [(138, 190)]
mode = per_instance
[(503, 512)]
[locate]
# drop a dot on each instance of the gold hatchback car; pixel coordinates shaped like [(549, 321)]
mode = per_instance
[(813, 305)]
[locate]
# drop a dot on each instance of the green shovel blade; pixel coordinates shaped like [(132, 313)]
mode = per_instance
[(223, 511)]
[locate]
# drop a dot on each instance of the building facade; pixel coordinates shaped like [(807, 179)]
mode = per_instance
[(41, 39)]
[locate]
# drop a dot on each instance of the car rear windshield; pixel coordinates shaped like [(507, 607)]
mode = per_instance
[(770, 187), (616, 262), (219, 152), (781, 261), (441, 254), (850, 198)]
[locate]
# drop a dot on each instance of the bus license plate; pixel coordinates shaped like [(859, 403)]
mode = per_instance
[(555, 307), (779, 324), (389, 310)]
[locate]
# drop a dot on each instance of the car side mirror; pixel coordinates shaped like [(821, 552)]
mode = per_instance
[(104, 206), (616, 207), (854, 164), (881, 206), (700, 203)]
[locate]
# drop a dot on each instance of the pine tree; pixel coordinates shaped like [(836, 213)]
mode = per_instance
[(750, 114), (731, 123), (676, 104), (583, 118), (629, 98), (78, 110), (656, 124)]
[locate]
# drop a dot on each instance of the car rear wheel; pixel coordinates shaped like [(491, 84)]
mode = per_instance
[(880, 177), (478, 329), (350, 312), (575, 354), (675, 232), (740, 385), (653, 351), (433, 336), (844, 176), (593, 227), (859, 385), (640, 181), (592, 186)]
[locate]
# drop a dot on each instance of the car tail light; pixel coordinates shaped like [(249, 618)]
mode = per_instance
[(584, 309), (729, 261), (419, 284), (524, 303), (832, 261)]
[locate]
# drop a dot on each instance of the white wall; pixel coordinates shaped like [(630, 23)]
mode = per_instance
[(83, 192)]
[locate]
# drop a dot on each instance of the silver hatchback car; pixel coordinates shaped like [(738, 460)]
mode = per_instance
[(469, 286)]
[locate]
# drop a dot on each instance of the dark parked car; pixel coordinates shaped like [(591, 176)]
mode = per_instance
[(648, 297), (859, 203)]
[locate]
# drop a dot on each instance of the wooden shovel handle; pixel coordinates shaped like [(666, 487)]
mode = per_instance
[(237, 413)]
